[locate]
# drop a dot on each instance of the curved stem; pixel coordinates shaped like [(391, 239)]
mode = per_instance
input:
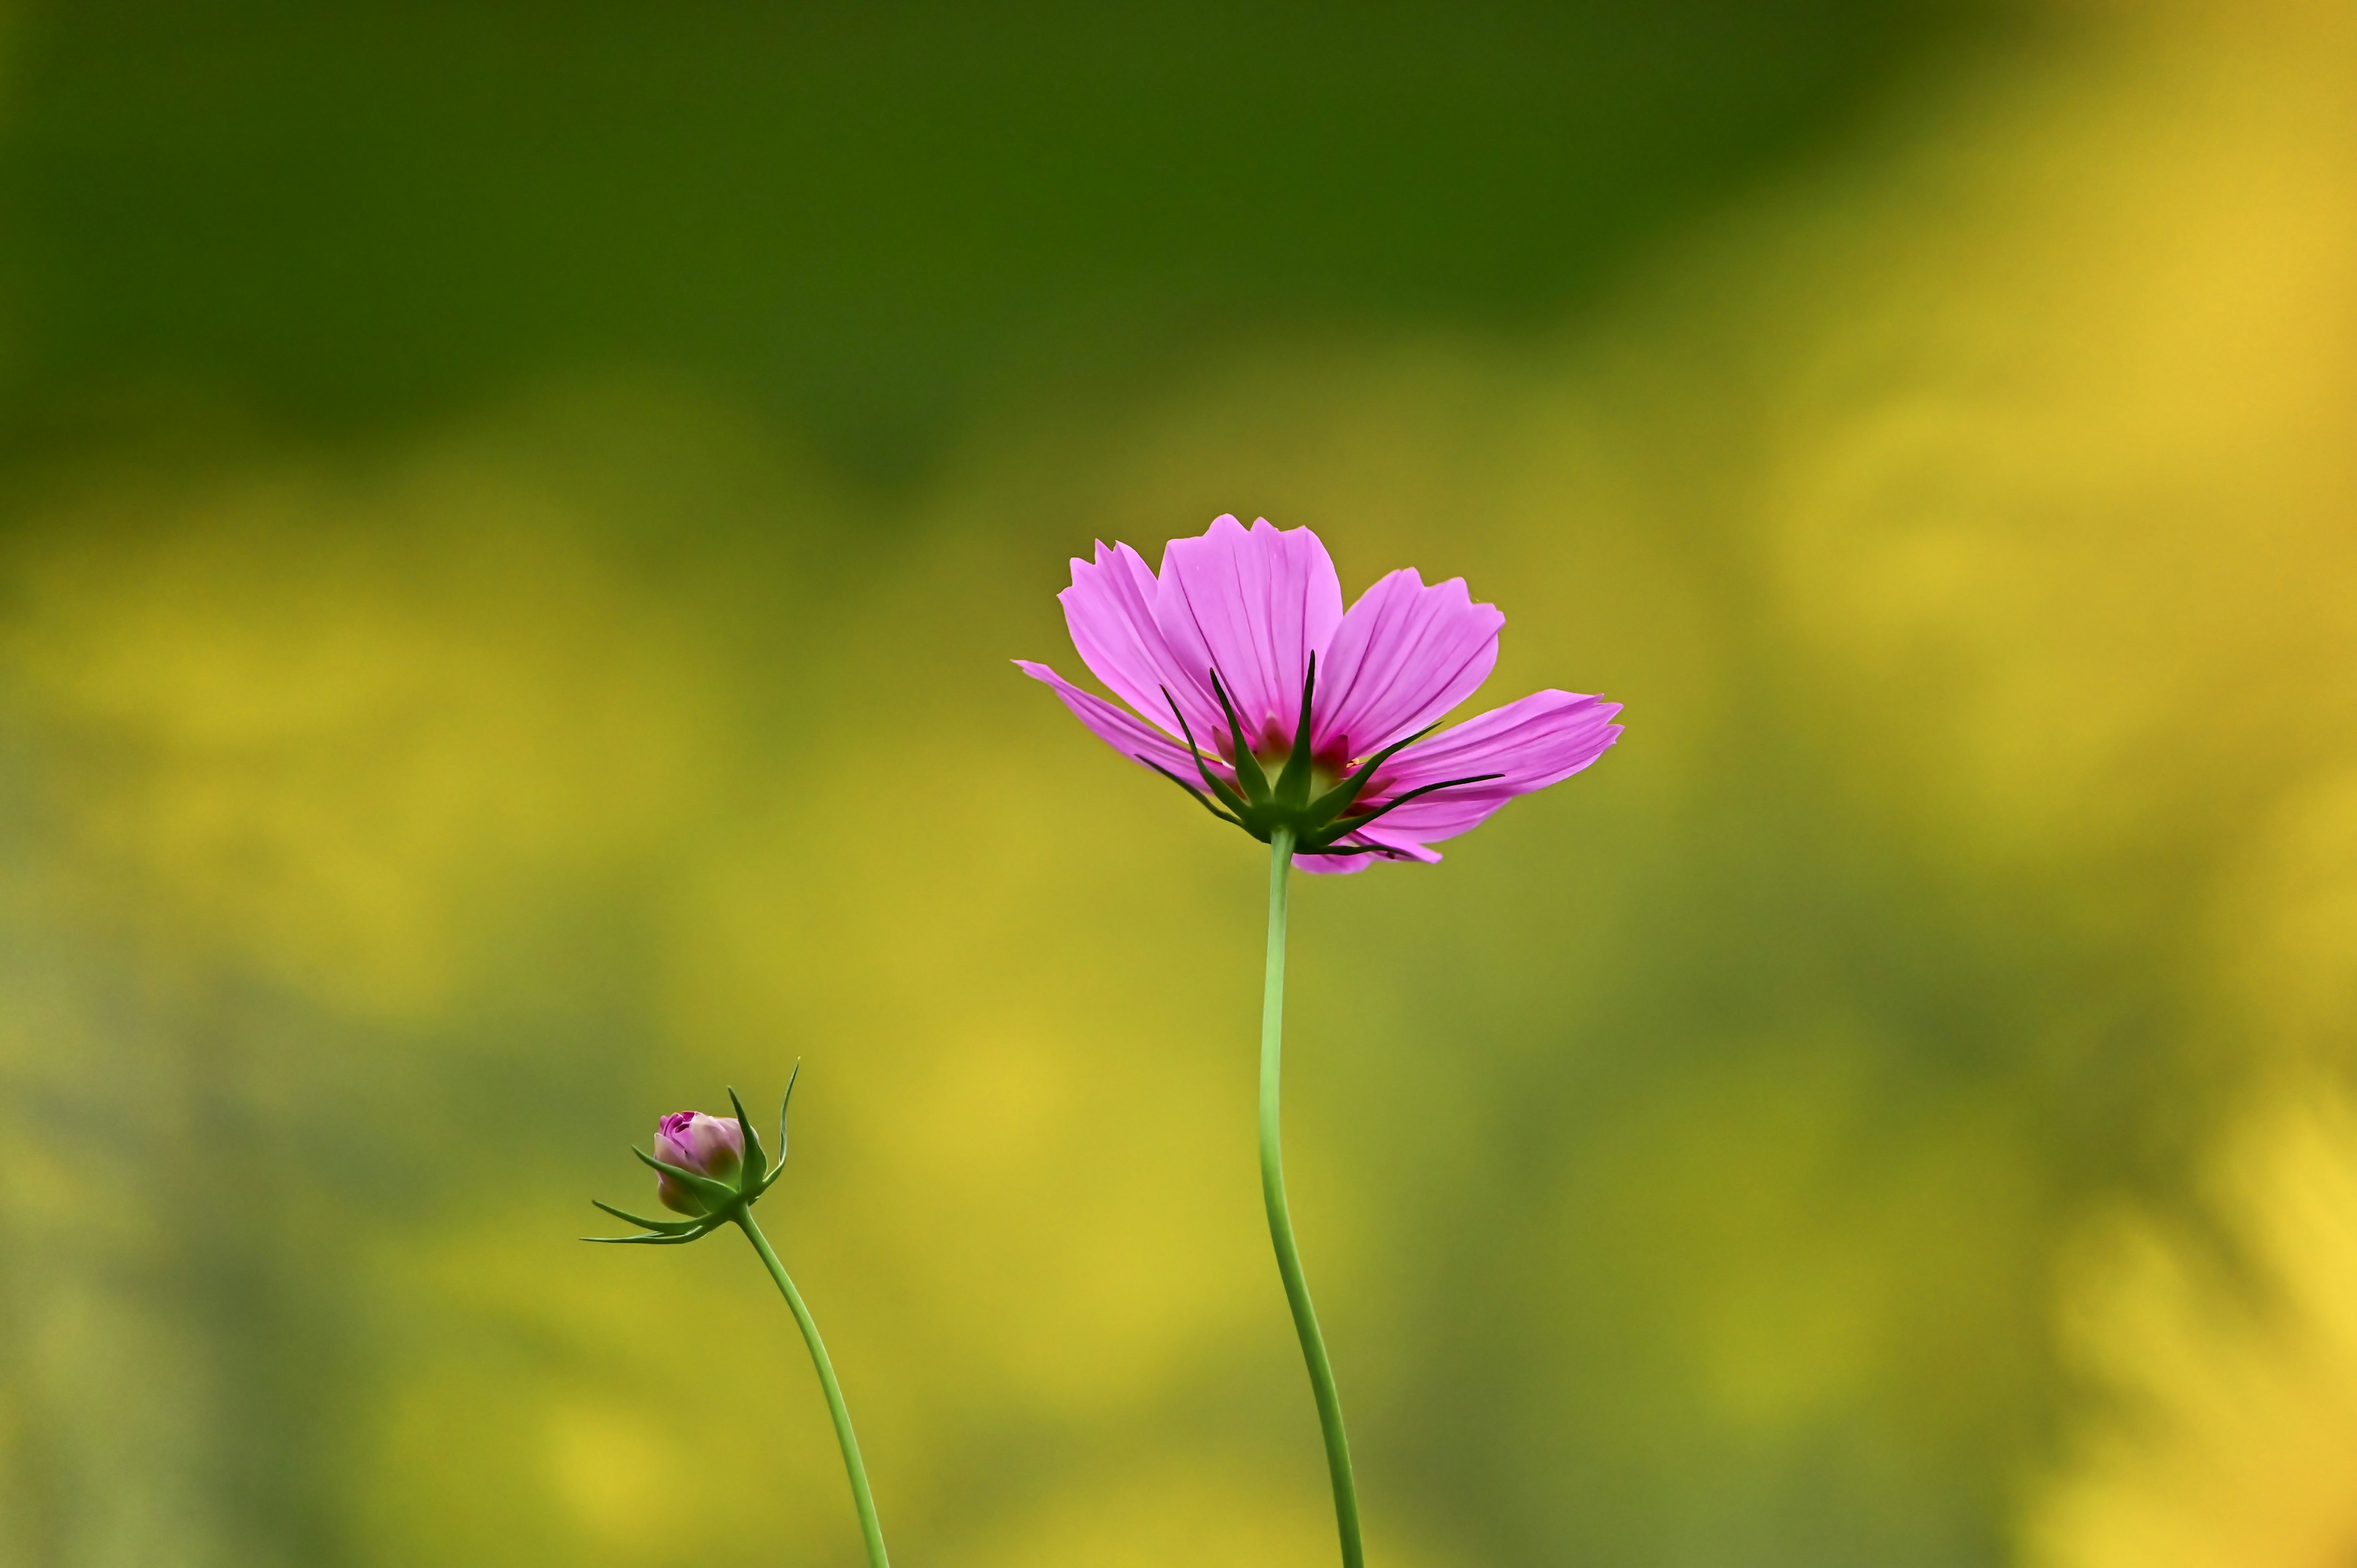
[(870, 1530), (1280, 1218)]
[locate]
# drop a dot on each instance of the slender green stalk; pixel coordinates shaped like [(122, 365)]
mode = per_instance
[(1280, 1218), (870, 1530)]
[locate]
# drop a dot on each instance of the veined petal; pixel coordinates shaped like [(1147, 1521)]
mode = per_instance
[(1531, 743), (1443, 814), (1403, 656), (1253, 606), (1122, 730), (1110, 610)]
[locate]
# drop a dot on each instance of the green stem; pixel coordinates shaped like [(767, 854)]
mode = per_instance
[(870, 1530), (1280, 1219)]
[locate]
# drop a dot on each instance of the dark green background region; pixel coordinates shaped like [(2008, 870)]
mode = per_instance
[(865, 217)]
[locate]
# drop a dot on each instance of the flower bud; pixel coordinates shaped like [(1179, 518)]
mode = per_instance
[(709, 1145)]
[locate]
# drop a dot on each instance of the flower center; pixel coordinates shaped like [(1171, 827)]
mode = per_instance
[(1323, 774)]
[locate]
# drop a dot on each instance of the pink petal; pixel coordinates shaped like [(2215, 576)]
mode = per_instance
[(1533, 742), (1253, 606), (1403, 656), (1340, 865), (1110, 609), (708, 1145), (705, 1144), (1333, 865), (1121, 729)]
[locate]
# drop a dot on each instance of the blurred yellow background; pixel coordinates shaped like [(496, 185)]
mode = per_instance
[(515, 523)]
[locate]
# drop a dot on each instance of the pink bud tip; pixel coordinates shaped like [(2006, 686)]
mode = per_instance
[(709, 1145)]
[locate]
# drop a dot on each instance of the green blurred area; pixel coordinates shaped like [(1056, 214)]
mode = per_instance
[(515, 519), (862, 220)]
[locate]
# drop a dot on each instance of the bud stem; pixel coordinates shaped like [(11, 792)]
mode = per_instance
[(1280, 1218), (870, 1530)]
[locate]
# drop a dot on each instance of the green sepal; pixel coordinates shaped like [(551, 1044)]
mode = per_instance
[(1337, 800), (1353, 823), (667, 1226), (1292, 781), (757, 1164), (678, 1241), (1200, 798), (1247, 766), (785, 1104), (1220, 787), (717, 1194)]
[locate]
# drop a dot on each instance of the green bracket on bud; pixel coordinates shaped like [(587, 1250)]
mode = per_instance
[(715, 1173)]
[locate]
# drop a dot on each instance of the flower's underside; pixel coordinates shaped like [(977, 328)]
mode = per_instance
[(1244, 628)]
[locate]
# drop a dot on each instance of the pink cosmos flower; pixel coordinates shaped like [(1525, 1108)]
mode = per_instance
[(1248, 678), (708, 1145)]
